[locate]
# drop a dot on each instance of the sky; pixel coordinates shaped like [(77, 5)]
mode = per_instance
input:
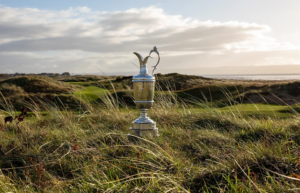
[(196, 37)]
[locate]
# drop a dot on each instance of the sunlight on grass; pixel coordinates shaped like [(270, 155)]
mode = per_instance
[(203, 146), (257, 110), (91, 93)]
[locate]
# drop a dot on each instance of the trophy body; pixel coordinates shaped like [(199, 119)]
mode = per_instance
[(143, 91)]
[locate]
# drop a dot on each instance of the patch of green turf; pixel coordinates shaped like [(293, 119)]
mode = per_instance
[(258, 110), (255, 107), (254, 110), (90, 93)]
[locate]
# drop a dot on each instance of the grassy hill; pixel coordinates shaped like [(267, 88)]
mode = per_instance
[(192, 90), (201, 148), (195, 89), (29, 88), (39, 84)]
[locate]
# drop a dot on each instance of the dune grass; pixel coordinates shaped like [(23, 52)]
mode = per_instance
[(207, 149)]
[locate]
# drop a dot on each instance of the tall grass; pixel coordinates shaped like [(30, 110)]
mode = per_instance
[(197, 151)]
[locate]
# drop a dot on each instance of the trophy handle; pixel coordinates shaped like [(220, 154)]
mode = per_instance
[(155, 50)]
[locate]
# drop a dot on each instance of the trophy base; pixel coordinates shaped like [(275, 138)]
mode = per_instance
[(144, 132), (144, 126)]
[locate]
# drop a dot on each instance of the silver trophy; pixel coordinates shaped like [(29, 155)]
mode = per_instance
[(143, 91)]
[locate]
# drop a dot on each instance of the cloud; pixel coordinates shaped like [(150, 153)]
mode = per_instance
[(81, 39)]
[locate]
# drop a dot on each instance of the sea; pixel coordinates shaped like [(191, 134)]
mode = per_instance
[(256, 77)]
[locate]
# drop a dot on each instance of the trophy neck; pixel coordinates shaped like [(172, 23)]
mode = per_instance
[(143, 70)]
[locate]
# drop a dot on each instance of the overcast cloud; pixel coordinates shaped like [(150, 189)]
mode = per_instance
[(80, 40)]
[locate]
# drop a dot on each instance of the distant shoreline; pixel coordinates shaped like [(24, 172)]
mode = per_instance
[(250, 74), (256, 77)]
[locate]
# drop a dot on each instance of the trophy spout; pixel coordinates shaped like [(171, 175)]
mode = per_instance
[(143, 63), (141, 59)]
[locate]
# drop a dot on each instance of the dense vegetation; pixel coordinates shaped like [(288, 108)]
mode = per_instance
[(35, 88), (210, 140)]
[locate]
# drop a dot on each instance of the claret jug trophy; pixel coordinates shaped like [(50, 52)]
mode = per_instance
[(143, 91)]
